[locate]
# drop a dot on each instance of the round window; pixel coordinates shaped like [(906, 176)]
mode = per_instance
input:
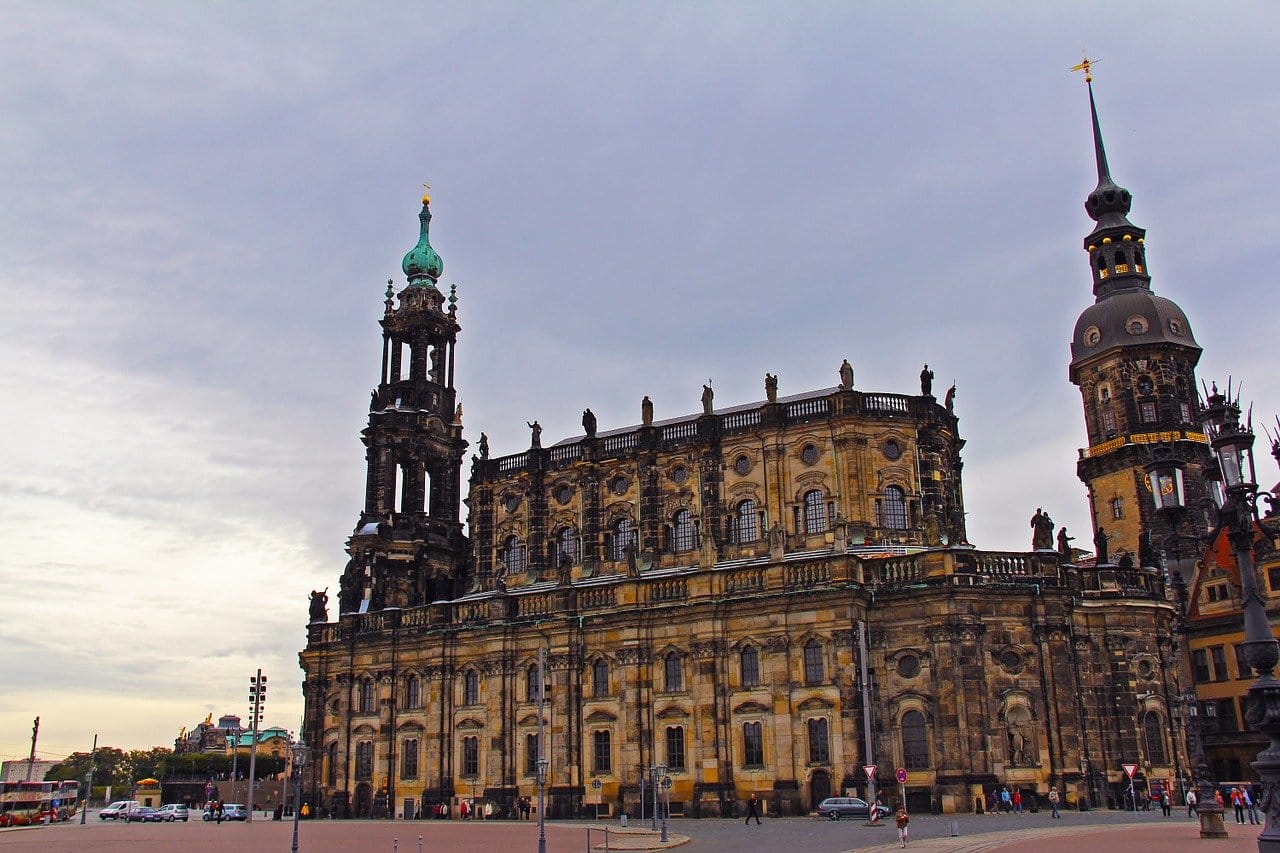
[(564, 493), (1146, 668), (679, 474), (1091, 336), (892, 450), (741, 466), (511, 503), (1145, 385), (908, 666), (1011, 660), (809, 455), (618, 485), (1136, 325)]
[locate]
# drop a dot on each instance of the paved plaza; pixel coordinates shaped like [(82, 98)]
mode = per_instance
[(1114, 831)]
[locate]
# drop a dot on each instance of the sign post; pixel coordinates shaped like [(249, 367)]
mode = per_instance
[(902, 786), (873, 816), (1129, 770)]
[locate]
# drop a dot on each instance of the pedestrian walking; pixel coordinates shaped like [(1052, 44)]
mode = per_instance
[(1237, 803), (1053, 802), (1251, 804), (1165, 805), (753, 810), (902, 819), (1191, 802), (1017, 800), (1006, 802)]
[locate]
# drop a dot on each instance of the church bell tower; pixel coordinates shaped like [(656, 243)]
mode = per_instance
[(1133, 357), (408, 546)]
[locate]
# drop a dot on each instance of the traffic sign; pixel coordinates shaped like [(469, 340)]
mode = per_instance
[(870, 770), (595, 783), (1130, 769), (902, 775)]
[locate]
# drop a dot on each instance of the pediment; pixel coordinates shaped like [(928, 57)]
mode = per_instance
[(601, 717), (672, 712), (751, 708), (815, 703), (470, 723)]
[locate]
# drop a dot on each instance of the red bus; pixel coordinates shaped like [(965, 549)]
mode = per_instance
[(27, 803)]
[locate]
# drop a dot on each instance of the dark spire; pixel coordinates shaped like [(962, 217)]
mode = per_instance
[(1108, 204), (1099, 151)]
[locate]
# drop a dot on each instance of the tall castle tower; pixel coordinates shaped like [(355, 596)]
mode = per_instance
[(1133, 357), (408, 545)]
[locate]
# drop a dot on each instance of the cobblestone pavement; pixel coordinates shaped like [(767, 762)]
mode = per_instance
[(1116, 832)]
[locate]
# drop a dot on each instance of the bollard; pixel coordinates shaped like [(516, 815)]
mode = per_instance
[(955, 828), (395, 845), (419, 844), (624, 820)]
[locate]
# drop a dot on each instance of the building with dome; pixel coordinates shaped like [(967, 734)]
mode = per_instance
[(761, 598)]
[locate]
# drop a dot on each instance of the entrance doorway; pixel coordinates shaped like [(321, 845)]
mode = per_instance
[(819, 788)]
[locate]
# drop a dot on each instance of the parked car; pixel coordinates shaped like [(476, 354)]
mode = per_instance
[(142, 814), (838, 807), (118, 810), (173, 811)]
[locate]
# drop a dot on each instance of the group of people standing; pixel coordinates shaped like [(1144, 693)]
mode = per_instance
[(1004, 800), (1243, 802)]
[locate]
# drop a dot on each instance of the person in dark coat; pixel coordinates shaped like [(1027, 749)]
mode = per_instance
[(753, 810)]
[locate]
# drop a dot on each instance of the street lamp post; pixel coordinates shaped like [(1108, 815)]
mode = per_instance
[(234, 731), (665, 781), (300, 754), (1233, 447), (542, 753)]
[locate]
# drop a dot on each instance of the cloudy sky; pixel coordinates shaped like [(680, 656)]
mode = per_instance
[(203, 203)]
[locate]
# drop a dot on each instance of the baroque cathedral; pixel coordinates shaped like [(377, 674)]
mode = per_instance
[(774, 598)]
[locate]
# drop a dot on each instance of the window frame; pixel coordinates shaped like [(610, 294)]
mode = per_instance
[(601, 751), (749, 677), (471, 687), (470, 763), (894, 513), (815, 670), (599, 679), (684, 533), (819, 733), (915, 749), (814, 512), (675, 748), (753, 743), (746, 523), (672, 673), (409, 758)]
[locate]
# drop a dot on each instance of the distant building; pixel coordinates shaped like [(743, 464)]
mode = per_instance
[(17, 770)]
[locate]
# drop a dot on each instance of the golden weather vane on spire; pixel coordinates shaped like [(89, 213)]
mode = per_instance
[(1087, 67), (426, 192)]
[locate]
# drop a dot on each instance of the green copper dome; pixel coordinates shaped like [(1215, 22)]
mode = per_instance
[(422, 261)]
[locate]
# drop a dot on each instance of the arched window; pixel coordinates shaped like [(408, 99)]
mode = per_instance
[(813, 668), (530, 754), (894, 509), (602, 760), (621, 536), (470, 757), (1102, 263), (683, 537), (819, 742), (599, 679), (567, 545), (750, 666), (815, 512), (513, 554), (674, 672), (915, 741), (745, 527), (1153, 738), (531, 684), (364, 761), (412, 692), (471, 688), (366, 704), (409, 759)]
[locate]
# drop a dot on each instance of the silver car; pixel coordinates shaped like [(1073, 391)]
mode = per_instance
[(854, 807), (173, 811)]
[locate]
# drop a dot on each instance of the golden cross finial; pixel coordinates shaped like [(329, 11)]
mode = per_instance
[(1087, 67), (426, 193)]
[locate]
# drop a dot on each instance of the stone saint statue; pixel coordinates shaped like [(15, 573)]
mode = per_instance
[(646, 411), (589, 423), (846, 375), (771, 387), (1041, 531), (926, 381), (535, 440), (484, 446), (1100, 545), (951, 399), (320, 605), (1064, 543), (707, 396), (437, 365)]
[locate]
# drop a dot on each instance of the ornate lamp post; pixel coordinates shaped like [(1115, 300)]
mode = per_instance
[(300, 753), (665, 782), (542, 812)]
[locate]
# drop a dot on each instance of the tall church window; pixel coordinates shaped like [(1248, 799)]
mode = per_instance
[(819, 742), (683, 535), (752, 745), (567, 545), (409, 759), (531, 684), (332, 769), (1148, 413), (674, 672), (412, 692), (471, 688), (750, 666), (675, 747), (530, 754), (364, 761), (915, 741), (744, 524), (813, 667), (513, 554), (599, 679), (893, 511), (1109, 423), (620, 537), (602, 761), (815, 512), (1153, 738), (366, 704), (471, 756)]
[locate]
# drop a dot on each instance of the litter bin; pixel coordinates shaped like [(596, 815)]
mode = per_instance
[(624, 820)]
